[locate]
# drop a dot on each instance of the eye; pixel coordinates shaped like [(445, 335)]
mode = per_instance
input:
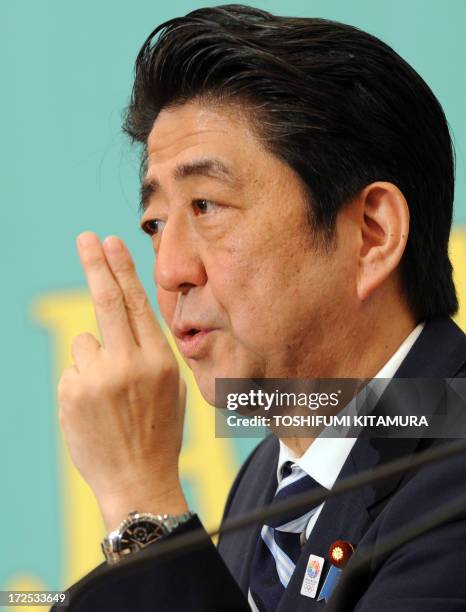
[(202, 207), (152, 227)]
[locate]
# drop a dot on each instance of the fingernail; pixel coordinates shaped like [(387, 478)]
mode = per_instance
[(113, 244), (87, 239)]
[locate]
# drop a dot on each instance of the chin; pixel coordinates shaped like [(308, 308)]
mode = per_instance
[(207, 388), (205, 374)]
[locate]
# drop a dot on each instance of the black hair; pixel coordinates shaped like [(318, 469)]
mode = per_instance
[(335, 103)]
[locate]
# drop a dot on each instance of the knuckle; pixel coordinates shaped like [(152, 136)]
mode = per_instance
[(152, 368), (136, 301), (67, 388), (82, 340), (118, 363), (125, 266), (64, 379), (108, 300), (123, 376), (96, 389), (114, 378)]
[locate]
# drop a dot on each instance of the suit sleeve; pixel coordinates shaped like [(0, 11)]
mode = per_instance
[(197, 580)]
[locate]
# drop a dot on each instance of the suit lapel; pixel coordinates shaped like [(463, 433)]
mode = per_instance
[(439, 352), (257, 488)]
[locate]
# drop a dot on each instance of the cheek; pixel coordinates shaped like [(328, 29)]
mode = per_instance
[(244, 290), (268, 296)]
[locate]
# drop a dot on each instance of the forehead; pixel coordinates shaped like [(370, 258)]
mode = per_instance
[(198, 130), (195, 124)]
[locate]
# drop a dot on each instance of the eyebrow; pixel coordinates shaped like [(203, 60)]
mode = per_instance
[(211, 167)]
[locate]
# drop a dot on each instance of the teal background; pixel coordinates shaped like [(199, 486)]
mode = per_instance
[(66, 73)]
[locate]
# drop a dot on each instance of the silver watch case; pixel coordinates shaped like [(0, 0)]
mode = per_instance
[(138, 531)]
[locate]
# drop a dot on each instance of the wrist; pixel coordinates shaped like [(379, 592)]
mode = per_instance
[(167, 500)]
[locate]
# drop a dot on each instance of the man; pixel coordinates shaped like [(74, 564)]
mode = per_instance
[(298, 187)]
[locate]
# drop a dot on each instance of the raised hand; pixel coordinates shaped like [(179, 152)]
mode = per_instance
[(122, 402)]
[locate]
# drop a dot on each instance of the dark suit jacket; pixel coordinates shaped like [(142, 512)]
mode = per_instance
[(423, 576)]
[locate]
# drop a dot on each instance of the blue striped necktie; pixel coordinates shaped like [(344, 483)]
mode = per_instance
[(278, 548)]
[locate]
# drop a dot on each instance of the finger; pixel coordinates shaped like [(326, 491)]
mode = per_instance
[(67, 377), (106, 294), (69, 373), (181, 396), (140, 314), (84, 350)]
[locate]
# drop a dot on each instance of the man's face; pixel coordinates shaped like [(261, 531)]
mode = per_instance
[(240, 280)]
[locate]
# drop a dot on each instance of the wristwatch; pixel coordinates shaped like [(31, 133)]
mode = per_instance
[(138, 531)]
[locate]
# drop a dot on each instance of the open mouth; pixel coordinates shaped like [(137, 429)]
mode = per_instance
[(193, 341)]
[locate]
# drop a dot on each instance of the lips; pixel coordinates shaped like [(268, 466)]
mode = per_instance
[(193, 340), (186, 330)]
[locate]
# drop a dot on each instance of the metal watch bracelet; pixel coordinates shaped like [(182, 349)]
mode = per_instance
[(139, 530)]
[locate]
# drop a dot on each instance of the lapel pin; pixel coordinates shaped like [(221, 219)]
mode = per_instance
[(339, 554), (314, 568)]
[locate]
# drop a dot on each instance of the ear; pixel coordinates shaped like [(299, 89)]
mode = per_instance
[(384, 227)]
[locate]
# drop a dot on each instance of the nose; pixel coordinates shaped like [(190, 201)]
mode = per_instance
[(178, 264)]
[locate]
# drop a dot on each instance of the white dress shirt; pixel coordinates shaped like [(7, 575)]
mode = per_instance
[(325, 457)]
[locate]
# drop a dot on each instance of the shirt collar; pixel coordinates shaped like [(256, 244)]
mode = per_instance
[(325, 457)]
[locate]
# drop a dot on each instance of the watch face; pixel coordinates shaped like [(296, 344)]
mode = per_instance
[(141, 532)]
